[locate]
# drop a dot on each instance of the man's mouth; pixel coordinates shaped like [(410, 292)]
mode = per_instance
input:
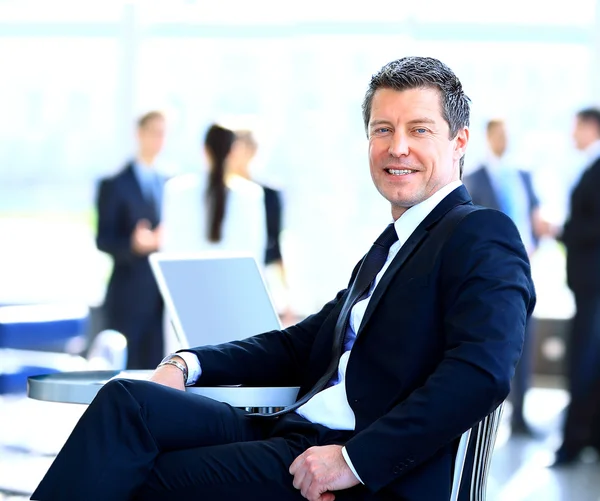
[(399, 172)]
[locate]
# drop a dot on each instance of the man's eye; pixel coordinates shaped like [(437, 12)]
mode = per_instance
[(421, 130), (382, 130)]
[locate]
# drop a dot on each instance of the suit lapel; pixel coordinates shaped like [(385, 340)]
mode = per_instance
[(403, 254), (457, 197)]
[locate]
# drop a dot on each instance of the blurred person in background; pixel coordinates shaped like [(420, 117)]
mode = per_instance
[(273, 259), (129, 230), (499, 185), (581, 236), (217, 211)]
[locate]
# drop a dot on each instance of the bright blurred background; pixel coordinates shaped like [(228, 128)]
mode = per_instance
[(75, 76)]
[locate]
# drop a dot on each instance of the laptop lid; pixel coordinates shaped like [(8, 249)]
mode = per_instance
[(213, 298)]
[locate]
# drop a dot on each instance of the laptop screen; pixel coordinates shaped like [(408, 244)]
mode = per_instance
[(213, 299)]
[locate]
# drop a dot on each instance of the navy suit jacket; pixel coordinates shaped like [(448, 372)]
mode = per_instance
[(435, 353), (482, 191), (581, 234), (132, 290)]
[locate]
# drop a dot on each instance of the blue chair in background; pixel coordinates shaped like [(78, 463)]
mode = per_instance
[(39, 338)]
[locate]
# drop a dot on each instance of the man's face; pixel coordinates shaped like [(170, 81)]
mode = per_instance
[(584, 133), (151, 137), (410, 153), (497, 139)]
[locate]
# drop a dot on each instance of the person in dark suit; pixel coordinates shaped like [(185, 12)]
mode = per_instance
[(499, 185), (581, 237), (129, 230), (418, 348)]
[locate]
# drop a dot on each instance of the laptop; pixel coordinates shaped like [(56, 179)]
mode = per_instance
[(213, 298)]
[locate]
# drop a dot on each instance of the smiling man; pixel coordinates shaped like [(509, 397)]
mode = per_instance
[(420, 346), (412, 151)]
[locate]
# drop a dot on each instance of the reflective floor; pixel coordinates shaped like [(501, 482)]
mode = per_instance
[(31, 431)]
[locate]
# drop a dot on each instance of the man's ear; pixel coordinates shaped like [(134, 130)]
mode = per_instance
[(460, 143)]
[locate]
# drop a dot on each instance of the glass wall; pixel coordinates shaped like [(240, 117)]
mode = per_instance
[(75, 78)]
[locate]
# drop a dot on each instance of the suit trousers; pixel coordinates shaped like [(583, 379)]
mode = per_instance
[(582, 426), (144, 441), (144, 334), (521, 380)]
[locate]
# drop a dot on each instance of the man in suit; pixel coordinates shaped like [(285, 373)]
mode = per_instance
[(499, 185), (129, 229), (581, 236), (419, 347)]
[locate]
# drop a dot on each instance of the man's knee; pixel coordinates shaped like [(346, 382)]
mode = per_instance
[(119, 389)]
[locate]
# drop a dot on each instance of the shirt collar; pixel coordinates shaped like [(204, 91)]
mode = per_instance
[(143, 173), (497, 165), (415, 215)]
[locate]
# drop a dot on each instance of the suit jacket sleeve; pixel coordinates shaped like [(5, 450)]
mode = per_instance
[(273, 358), (486, 296), (110, 237)]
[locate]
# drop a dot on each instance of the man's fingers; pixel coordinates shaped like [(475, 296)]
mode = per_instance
[(327, 496), (143, 223), (296, 464), (299, 478), (305, 488)]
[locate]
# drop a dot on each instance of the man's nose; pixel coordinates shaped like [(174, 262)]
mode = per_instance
[(398, 145)]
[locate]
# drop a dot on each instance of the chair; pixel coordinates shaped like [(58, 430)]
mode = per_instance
[(33, 338), (474, 457)]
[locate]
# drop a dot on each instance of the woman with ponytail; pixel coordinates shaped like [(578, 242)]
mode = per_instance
[(216, 211)]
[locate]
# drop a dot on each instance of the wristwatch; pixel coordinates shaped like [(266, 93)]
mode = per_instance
[(170, 360)]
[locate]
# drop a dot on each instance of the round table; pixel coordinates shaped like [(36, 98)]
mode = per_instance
[(81, 387)]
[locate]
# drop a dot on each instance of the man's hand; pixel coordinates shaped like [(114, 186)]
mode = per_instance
[(145, 240), (320, 470), (169, 375)]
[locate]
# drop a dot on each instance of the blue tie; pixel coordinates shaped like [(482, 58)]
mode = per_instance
[(507, 193), (153, 191), (370, 267)]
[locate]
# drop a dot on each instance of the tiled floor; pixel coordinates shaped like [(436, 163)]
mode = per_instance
[(519, 468)]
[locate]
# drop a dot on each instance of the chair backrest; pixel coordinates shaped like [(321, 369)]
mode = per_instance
[(474, 457)]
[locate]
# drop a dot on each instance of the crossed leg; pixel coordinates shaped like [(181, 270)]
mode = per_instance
[(140, 440)]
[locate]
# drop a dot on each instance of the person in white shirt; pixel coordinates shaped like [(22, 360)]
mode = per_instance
[(217, 211)]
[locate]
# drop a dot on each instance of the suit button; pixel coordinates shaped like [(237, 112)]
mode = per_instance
[(356, 400), (397, 470)]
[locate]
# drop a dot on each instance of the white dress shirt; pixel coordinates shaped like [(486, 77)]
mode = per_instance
[(150, 182), (330, 407)]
